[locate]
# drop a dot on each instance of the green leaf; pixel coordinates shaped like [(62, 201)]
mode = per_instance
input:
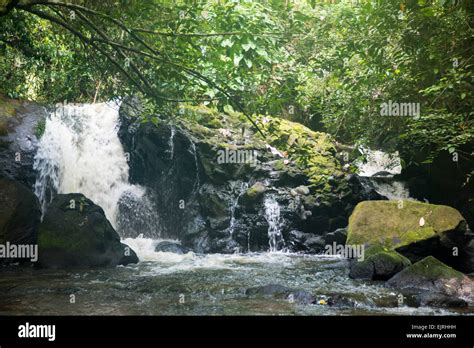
[(248, 46), (228, 109), (237, 59), (227, 43)]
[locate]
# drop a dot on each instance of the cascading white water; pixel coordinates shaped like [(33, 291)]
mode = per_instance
[(273, 217), (194, 152), (393, 189), (379, 161), (381, 167), (171, 142), (80, 152)]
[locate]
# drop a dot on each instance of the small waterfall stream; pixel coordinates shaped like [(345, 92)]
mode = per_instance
[(240, 190), (380, 168), (171, 142), (80, 152), (273, 217)]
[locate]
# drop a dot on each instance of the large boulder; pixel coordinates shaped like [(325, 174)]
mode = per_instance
[(20, 213), (414, 229), (76, 234), (213, 202), (378, 264), (433, 276)]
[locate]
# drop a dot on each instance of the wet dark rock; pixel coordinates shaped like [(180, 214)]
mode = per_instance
[(438, 300), (171, 247), (378, 264), (76, 234), (338, 236), (434, 276), (314, 244), (339, 300), (21, 124), (363, 187), (20, 214), (215, 206)]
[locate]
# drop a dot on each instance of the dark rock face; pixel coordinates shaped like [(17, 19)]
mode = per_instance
[(20, 213), (164, 160), (20, 125), (212, 206), (76, 234)]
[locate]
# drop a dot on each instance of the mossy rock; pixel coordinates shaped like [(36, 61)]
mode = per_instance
[(394, 224), (432, 275), (313, 152), (378, 264), (8, 110), (255, 191), (76, 234)]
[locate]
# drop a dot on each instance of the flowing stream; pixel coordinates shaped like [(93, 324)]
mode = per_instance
[(81, 152)]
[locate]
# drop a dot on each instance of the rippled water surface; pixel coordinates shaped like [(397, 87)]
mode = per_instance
[(170, 284)]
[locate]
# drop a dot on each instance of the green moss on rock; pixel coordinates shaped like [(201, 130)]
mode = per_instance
[(379, 264), (394, 224), (8, 110), (431, 268), (433, 276), (313, 152)]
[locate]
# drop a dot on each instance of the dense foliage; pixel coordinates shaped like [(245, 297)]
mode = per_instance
[(328, 64)]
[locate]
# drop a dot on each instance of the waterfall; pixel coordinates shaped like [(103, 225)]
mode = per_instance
[(171, 142), (80, 152), (380, 168), (272, 215), (234, 203), (194, 152), (392, 189), (379, 162)]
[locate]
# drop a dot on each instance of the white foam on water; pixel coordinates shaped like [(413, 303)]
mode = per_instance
[(378, 161), (166, 262)]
